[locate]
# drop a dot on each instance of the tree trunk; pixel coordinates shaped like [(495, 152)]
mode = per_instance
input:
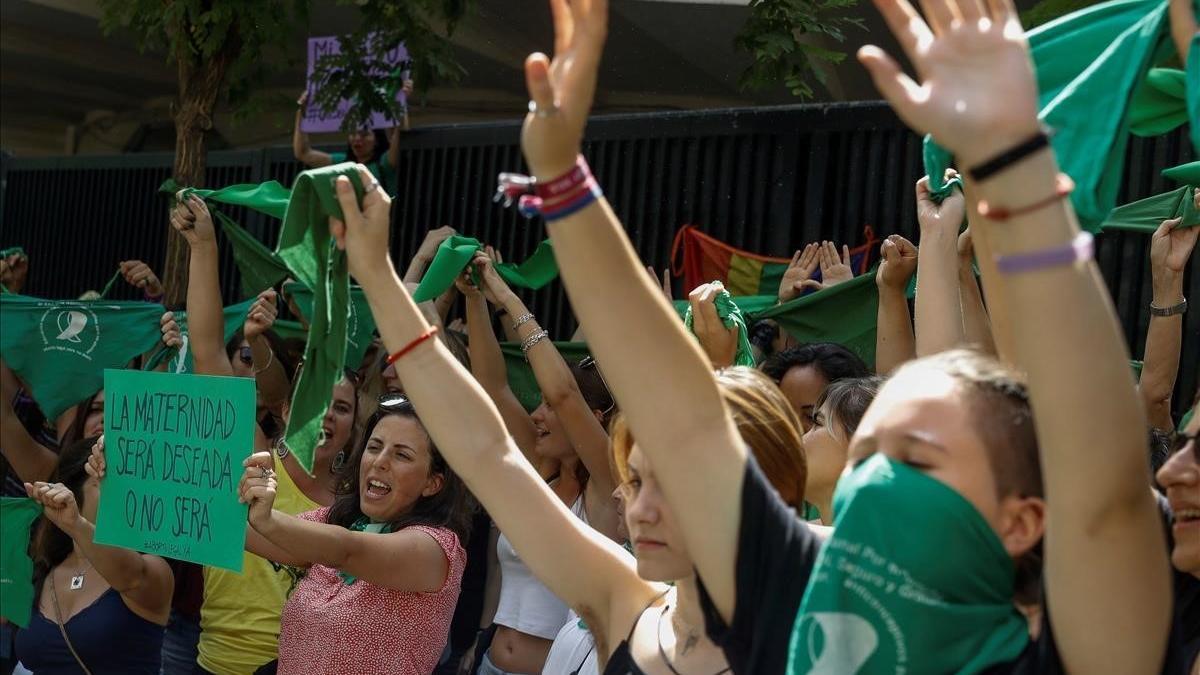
[(199, 86)]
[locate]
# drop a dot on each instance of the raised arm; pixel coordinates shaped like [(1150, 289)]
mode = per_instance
[(206, 318), (978, 97), (561, 393), (939, 324), (1170, 248), (487, 365), (894, 339), (270, 376), (144, 579), (1183, 26), (578, 564), (393, 156), (977, 327), (301, 147), (658, 373), (31, 460)]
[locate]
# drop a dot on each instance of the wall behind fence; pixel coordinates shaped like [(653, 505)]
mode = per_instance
[(765, 179)]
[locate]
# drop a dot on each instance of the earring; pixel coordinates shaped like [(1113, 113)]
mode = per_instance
[(339, 460)]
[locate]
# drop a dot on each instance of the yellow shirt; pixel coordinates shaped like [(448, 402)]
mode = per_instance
[(239, 621)]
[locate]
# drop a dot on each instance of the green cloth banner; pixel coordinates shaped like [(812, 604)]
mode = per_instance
[(174, 445), (61, 347), (730, 315), (455, 254), (17, 516), (846, 314), (260, 268), (937, 160), (235, 318), (520, 374), (270, 197), (307, 248), (1100, 53), (1146, 215), (1159, 104), (360, 323)]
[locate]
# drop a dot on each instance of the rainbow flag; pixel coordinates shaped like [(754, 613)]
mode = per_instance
[(700, 258)]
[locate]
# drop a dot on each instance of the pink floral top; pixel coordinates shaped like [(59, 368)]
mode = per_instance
[(329, 627)]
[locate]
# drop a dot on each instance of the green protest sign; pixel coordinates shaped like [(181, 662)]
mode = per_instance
[(174, 445), (17, 516)]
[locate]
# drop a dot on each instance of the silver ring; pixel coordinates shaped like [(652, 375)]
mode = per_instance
[(371, 188), (266, 473), (539, 112)]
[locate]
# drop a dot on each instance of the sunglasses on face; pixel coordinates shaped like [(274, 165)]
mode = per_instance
[(1181, 441)]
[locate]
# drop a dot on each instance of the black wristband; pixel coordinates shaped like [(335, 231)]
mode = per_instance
[(993, 166)]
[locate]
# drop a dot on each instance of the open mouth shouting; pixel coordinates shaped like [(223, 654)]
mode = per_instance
[(377, 489)]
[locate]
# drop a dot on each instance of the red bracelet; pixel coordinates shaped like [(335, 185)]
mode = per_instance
[(412, 345), (1063, 185), (556, 188)]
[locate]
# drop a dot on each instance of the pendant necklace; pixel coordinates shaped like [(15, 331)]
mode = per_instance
[(77, 580)]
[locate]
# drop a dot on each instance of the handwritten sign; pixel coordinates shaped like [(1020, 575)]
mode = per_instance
[(174, 446), (314, 122)]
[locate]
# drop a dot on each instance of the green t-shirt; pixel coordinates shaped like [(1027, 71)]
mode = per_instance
[(379, 168)]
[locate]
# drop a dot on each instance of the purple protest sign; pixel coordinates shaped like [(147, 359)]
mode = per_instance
[(313, 121)]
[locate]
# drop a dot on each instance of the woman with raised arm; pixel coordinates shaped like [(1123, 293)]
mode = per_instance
[(661, 627), (567, 428), (98, 608), (239, 619), (923, 451), (1170, 248), (379, 150)]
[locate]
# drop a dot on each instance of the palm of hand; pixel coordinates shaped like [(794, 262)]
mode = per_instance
[(836, 274)]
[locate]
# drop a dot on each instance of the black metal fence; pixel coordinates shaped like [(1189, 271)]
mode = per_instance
[(763, 179)]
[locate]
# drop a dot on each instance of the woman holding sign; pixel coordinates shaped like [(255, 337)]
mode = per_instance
[(383, 565), (99, 609)]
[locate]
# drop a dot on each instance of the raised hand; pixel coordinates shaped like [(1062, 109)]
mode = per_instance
[(719, 343), (433, 239), (1170, 248), (364, 233), (303, 100), (257, 487), (191, 218), (976, 92), (139, 275), (13, 271), (97, 466), (171, 335), (664, 282), (494, 288), (58, 503), (944, 218), (561, 89), (801, 269), (834, 270), (898, 262), (261, 315)]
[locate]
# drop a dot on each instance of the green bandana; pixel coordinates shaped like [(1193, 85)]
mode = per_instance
[(16, 568), (937, 160), (730, 315), (270, 197), (520, 374), (360, 323), (364, 525), (846, 314), (1146, 215), (260, 268), (61, 347), (180, 360), (307, 247), (455, 254), (889, 595), (1100, 53)]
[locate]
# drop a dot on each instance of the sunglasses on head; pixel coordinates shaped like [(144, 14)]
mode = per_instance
[(589, 363), (1181, 441)]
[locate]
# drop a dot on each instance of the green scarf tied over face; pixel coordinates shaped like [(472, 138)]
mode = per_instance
[(363, 524), (890, 595), (456, 253), (360, 323), (61, 347), (730, 315), (307, 248), (16, 568)]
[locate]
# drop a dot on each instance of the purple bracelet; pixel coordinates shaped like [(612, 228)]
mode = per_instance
[(1080, 249)]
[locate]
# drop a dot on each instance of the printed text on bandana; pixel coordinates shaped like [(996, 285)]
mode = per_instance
[(174, 446)]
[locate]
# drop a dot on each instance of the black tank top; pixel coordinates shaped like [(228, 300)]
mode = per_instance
[(621, 662)]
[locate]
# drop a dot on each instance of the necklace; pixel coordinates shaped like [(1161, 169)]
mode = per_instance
[(691, 639), (78, 578)]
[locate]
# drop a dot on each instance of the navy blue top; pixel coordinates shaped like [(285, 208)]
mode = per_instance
[(108, 636)]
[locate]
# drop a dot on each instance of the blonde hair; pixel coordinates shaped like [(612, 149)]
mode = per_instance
[(766, 422)]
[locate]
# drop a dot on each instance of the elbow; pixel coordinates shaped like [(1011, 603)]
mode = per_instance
[(559, 393)]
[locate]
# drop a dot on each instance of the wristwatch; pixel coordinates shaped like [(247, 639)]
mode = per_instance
[(1169, 311)]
